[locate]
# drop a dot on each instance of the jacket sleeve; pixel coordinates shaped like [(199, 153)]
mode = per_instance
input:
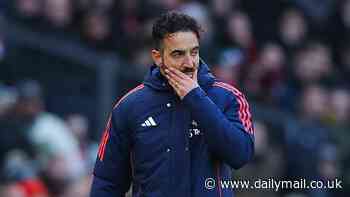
[(112, 172), (229, 133)]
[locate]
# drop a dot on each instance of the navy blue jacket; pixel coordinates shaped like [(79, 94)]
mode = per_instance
[(167, 147)]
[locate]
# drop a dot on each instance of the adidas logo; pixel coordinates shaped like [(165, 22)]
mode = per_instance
[(149, 123)]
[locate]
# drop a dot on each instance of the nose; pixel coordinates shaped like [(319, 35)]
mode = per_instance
[(188, 62)]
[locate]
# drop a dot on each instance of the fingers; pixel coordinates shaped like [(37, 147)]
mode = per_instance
[(171, 75), (174, 84), (181, 83), (173, 81)]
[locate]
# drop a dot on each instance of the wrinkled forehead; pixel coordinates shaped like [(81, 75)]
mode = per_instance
[(180, 41)]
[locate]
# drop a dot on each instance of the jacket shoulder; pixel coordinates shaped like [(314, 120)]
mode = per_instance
[(128, 98), (227, 89)]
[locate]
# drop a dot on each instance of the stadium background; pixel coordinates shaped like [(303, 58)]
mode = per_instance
[(290, 57)]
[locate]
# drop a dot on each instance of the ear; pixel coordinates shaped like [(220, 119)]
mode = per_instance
[(156, 56)]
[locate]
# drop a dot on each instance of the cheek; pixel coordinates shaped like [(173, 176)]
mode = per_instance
[(173, 63)]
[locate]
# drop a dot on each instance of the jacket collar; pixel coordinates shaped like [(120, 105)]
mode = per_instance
[(155, 80)]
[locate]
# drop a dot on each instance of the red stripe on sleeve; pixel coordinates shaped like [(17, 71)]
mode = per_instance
[(243, 111), (101, 144), (106, 133), (104, 146), (104, 140), (127, 94)]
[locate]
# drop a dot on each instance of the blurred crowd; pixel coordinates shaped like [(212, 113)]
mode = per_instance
[(42, 154), (291, 58)]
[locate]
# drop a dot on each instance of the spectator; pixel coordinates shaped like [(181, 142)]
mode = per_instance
[(293, 30), (314, 65), (240, 29), (340, 106), (80, 188), (79, 126), (8, 97), (12, 190), (127, 25), (222, 8), (313, 103), (58, 14), (339, 103), (13, 138), (47, 132), (268, 162), (239, 34), (97, 30), (229, 65), (21, 177), (28, 10), (307, 137), (266, 78)]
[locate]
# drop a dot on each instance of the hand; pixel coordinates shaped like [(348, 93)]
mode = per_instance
[(181, 83)]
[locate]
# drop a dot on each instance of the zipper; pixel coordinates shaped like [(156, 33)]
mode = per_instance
[(170, 144)]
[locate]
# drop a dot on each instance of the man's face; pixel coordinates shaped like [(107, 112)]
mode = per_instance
[(180, 50)]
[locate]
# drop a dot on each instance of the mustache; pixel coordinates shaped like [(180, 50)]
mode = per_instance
[(185, 70), (188, 70)]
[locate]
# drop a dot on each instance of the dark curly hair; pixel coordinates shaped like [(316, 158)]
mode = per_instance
[(171, 22)]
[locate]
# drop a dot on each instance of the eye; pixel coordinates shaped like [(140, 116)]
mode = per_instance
[(194, 52), (177, 54)]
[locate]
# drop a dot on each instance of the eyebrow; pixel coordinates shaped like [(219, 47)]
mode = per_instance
[(183, 50)]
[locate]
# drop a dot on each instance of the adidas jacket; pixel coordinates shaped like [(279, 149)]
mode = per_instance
[(167, 147)]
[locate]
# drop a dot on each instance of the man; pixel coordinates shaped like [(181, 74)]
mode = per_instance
[(177, 129), (50, 137)]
